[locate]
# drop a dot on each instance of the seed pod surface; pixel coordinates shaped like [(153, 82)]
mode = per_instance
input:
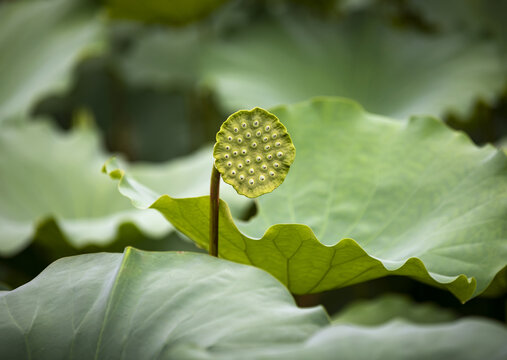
[(255, 137)]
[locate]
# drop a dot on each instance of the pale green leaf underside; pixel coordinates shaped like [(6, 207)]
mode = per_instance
[(46, 174), (171, 305), (390, 307), (405, 198), (40, 42), (389, 71)]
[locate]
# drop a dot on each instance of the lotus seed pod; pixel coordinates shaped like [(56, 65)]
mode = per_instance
[(253, 134)]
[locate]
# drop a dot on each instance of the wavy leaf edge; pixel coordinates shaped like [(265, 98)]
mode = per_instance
[(460, 285)]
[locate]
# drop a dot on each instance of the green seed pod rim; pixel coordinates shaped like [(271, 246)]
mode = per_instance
[(253, 152)]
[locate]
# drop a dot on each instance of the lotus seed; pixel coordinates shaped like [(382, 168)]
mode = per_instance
[(274, 136), (251, 181), (233, 172), (242, 177), (247, 161), (258, 133), (227, 147), (277, 144), (267, 128), (256, 123), (243, 152), (265, 139), (240, 166), (272, 173), (269, 157), (229, 164), (251, 171), (261, 178), (226, 156), (254, 145), (267, 147), (279, 154), (240, 140), (276, 165), (229, 138), (258, 158), (236, 130), (243, 125), (264, 167), (234, 153), (248, 135)]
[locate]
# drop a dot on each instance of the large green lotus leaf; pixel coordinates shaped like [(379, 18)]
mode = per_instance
[(147, 305), (389, 71), (366, 197), (41, 41), (48, 175), (173, 12), (389, 307)]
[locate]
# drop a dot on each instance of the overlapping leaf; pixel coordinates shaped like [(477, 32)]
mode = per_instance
[(40, 42), (390, 307), (193, 306), (391, 72), (47, 176), (367, 197)]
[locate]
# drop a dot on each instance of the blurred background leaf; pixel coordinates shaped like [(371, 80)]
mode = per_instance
[(41, 42)]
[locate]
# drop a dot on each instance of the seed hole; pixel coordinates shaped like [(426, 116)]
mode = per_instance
[(233, 172), (248, 135), (240, 166), (276, 165), (243, 152), (234, 153), (270, 157), (274, 136), (251, 181), (226, 156), (254, 145), (267, 128), (271, 173), (264, 167), (262, 178), (258, 158), (229, 138), (267, 147), (247, 161), (243, 125), (236, 130), (279, 154), (251, 171), (258, 133), (240, 140), (277, 144), (229, 164), (242, 177), (265, 139), (256, 123)]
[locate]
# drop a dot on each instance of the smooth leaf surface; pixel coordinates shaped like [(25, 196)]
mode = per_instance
[(37, 59), (40, 181), (390, 307), (177, 305), (367, 197), (389, 71)]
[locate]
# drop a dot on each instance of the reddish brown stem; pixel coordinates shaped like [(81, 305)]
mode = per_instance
[(214, 198)]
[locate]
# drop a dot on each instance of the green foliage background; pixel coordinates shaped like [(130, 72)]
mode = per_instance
[(398, 111)]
